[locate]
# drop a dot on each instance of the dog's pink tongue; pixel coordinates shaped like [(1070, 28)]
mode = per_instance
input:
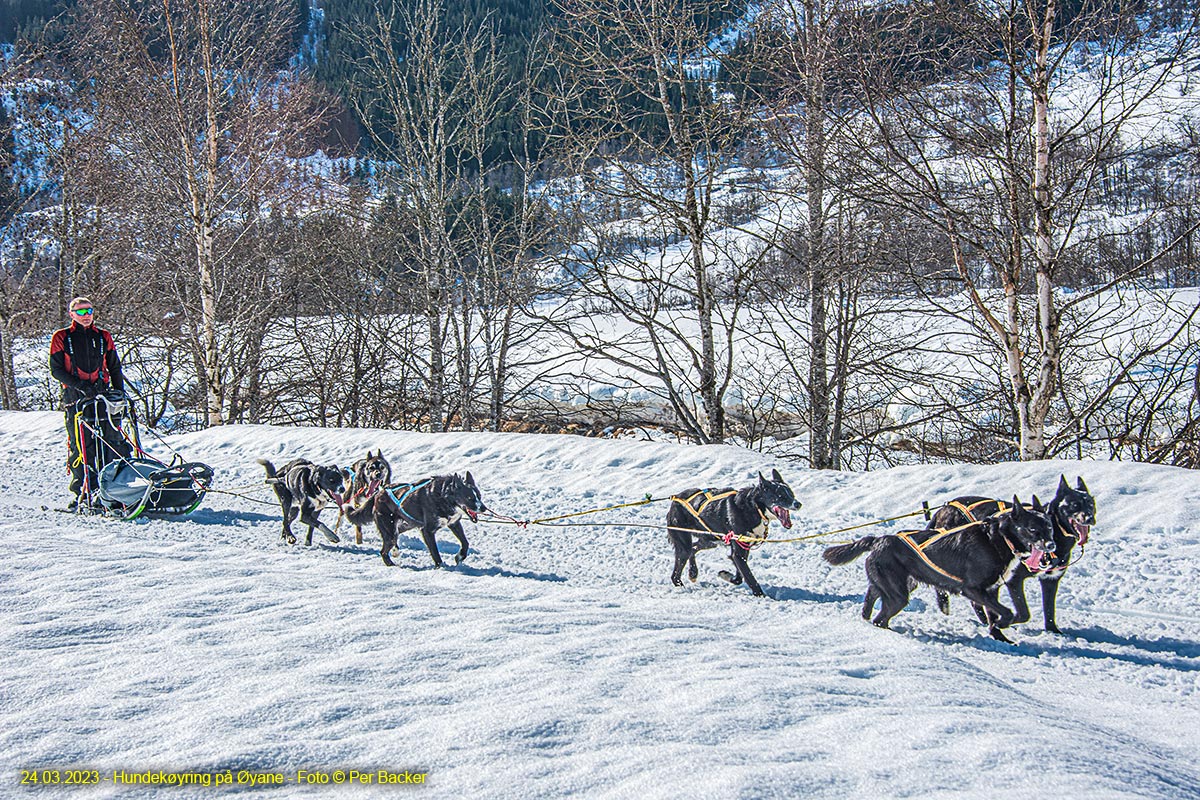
[(1034, 560), (1081, 531), (784, 517)]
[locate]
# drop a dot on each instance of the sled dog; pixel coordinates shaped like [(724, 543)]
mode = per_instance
[(368, 476), (972, 562), (303, 489), (429, 504), (701, 519)]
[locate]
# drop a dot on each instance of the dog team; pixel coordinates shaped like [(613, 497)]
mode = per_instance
[(971, 546)]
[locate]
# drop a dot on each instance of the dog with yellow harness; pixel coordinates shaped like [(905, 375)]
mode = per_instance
[(1073, 513), (971, 560), (701, 519)]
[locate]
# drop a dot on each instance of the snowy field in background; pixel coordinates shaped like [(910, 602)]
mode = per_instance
[(560, 661), (1120, 324)]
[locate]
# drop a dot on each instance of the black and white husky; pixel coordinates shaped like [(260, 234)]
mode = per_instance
[(700, 519), (429, 504), (303, 489), (1073, 512), (973, 562)]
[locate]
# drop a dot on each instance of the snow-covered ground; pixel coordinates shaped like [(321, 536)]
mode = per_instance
[(560, 661)]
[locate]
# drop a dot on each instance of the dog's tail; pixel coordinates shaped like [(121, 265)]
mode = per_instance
[(841, 554), (270, 468)]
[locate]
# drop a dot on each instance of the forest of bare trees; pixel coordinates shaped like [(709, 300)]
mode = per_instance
[(855, 234)]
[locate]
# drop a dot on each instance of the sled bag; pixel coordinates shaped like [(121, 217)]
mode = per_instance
[(145, 485)]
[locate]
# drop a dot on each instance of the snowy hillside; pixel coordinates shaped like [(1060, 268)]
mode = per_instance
[(560, 661)]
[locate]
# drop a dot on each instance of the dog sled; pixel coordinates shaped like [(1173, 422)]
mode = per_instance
[(120, 478)]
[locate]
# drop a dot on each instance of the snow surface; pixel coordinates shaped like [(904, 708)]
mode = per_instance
[(560, 661)]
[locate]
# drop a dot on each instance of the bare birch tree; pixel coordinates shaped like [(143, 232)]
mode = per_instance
[(428, 92), (1005, 157), (651, 139), (806, 70), (514, 225), (194, 110)]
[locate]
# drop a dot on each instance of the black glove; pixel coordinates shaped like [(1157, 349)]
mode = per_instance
[(90, 390)]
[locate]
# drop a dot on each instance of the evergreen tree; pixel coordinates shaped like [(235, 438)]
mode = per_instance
[(515, 22), (26, 18), (9, 198)]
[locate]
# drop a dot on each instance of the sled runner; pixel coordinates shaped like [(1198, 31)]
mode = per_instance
[(120, 478)]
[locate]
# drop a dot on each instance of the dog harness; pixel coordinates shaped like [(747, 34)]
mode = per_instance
[(970, 510), (919, 547), (709, 499), (399, 501)]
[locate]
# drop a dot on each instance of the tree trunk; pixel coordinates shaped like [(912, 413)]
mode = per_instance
[(819, 443), (437, 370), (9, 400), (499, 370), (1033, 433), (205, 251), (214, 393), (465, 366), (714, 410)]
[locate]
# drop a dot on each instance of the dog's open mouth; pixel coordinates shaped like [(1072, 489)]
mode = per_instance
[(1081, 531), (783, 515), (474, 515), (1038, 560), (335, 497)]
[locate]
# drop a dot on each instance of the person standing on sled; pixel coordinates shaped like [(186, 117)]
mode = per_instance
[(83, 358)]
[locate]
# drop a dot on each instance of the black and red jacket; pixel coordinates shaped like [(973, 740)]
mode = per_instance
[(85, 361)]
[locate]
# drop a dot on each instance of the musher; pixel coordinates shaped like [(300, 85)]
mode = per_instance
[(83, 357)]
